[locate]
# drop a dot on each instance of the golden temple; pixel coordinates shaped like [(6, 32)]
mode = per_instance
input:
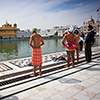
[(8, 31), (91, 21)]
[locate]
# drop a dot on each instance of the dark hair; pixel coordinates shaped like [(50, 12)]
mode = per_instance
[(90, 26), (34, 32), (76, 31)]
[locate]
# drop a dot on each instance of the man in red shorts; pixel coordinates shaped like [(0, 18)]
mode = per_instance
[(36, 41), (70, 38)]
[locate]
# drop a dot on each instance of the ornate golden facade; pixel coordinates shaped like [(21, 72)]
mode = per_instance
[(95, 24), (8, 31), (91, 20)]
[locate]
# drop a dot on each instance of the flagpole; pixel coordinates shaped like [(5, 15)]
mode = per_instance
[(98, 21)]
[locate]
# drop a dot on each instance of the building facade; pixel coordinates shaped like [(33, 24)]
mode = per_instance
[(95, 24), (23, 34), (47, 32), (7, 31), (59, 29)]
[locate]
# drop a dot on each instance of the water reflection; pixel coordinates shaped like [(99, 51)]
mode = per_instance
[(24, 49), (18, 49), (52, 45), (8, 49)]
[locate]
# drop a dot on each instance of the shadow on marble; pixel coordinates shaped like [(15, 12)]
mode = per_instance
[(65, 80), (10, 98), (93, 69), (69, 80)]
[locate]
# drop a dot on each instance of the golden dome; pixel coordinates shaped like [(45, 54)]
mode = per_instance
[(91, 20), (6, 25), (15, 25)]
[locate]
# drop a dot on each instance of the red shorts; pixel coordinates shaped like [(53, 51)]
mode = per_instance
[(36, 56), (70, 45)]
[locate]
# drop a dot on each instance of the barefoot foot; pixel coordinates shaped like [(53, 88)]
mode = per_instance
[(66, 66), (33, 75), (77, 62), (71, 62), (87, 61), (72, 65), (39, 74)]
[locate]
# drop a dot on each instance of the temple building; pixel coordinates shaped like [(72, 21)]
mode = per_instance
[(95, 24), (7, 31)]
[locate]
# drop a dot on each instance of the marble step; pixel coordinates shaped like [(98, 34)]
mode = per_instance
[(42, 80), (47, 65)]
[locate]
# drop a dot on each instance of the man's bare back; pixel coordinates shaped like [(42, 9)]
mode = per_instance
[(69, 38), (77, 33), (36, 41), (77, 38)]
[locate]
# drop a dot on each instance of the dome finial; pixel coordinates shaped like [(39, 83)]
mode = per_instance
[(91, 20)]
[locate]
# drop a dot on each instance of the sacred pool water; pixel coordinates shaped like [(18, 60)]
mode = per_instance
[(21, 48)]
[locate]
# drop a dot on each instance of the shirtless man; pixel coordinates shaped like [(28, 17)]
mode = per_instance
[(36, 42), (70, 37), (77, 34)]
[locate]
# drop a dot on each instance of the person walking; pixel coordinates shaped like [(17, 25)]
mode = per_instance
[(88, 42), (36, 41)]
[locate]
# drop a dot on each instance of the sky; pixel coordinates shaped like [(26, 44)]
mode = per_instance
[(46, 14)]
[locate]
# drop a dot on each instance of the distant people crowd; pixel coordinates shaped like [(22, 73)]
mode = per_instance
[(73, 41)]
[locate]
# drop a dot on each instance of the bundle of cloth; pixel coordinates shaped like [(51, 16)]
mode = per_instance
[(55, 59)]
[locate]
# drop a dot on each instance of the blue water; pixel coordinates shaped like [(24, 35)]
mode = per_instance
[(19, 49)]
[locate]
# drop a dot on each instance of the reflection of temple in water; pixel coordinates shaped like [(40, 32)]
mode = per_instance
[(9, 47), (7, 31)]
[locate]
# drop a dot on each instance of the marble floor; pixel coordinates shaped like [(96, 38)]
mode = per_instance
[(81, 82)]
